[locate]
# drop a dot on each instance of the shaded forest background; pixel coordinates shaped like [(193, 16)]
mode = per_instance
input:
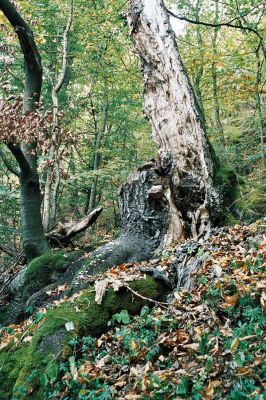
[(102, 134)]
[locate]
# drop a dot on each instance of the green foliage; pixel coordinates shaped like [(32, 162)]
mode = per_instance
[(251, 204)]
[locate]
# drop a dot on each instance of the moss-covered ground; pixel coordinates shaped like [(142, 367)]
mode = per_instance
[(23, 362), (39, 272), (206, 344)]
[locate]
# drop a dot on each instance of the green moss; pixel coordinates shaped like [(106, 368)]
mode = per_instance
[(230, 220), (40, 270), (225, 180), (252, 203), (4, 313), (11, 362), (50, 341)]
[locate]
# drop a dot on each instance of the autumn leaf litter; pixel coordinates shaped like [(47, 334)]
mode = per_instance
[(204, 343)]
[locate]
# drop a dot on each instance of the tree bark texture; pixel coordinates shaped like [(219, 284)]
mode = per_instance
[(171, 108), (34, 240)]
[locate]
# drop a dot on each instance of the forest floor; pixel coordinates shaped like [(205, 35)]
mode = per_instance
[(205, 343)]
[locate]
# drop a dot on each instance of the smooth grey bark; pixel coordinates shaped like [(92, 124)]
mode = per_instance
[(216, 104), (97, 155), (199, 70), (53, 171), (34, 240), (259, 106)]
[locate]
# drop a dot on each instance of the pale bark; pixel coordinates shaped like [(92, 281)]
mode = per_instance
[(97, 155), (170, 106), (259, 105), (216, 104), (53, 171), (63, 233), (199, 69)]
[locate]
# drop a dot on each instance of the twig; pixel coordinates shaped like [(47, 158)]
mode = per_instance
[(145, 298)]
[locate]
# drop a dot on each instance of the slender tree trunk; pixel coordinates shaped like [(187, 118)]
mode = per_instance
[(31, 216), (216, 104), (97, 156), (259, 109), (46, 199), (53, 171), (34, 239)]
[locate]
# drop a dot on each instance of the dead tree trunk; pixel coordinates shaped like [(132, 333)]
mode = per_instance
[(172, 197), (170, 106)]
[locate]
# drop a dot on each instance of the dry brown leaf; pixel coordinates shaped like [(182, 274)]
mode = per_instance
[(191, 346), (100, 288), (230, 301), (101, 363), (243, 371)]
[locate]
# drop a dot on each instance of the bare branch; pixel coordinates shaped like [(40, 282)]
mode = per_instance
[(228, 24)]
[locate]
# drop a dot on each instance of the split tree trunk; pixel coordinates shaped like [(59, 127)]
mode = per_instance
[(172, 197), (170, 106)]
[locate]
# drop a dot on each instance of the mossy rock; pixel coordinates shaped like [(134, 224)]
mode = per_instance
[(23, 365), (42, 271)]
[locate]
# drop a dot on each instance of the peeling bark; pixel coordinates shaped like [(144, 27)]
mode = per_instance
[(170, 106)]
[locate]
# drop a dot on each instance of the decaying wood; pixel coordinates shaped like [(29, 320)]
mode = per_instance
[(63, 233), (171, 108)]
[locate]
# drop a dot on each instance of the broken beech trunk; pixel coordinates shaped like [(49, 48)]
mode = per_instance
[(184, 167), (172, 197)]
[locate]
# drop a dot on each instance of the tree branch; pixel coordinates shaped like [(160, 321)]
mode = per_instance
[(33, 68), (61, 77), (21, 158), (228, 24), (8, 164)]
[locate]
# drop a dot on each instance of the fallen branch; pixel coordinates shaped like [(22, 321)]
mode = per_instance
[(63, 233)]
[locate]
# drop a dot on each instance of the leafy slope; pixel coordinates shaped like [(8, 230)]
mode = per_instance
[(208, 343)]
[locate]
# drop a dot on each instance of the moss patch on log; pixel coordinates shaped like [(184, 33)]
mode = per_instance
[(22, 365), (40, 272)]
